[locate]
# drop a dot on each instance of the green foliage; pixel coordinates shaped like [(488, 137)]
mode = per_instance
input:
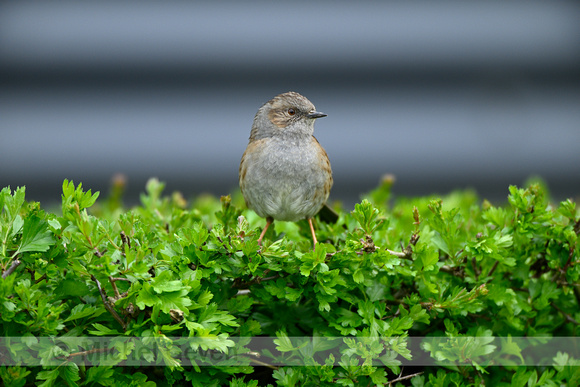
[(452, 267)]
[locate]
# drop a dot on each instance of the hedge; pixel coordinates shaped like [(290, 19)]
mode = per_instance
[(180, 293)]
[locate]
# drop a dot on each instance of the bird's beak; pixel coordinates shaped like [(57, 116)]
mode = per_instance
[(316, 114)]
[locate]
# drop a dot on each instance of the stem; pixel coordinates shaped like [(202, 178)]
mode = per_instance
[(117, 295), (97, 350), (566, 315), (399, 378), (108, 305), (493, 268), (253, 360), (11, 269)]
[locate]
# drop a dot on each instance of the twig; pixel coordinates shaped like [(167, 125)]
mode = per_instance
[(457, 271), (261, 362), (83, 353), (125, 239), (398, 254), (42, 278), (493, 268), (114, 285), (407, 252), (447, 269), (566, 315), (11, 269), (255, 280), (108, 305), (476, 271), (368, 244), (399, 378), (98, 253), (570, 257)]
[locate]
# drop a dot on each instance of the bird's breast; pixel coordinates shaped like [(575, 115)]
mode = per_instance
[(288, 180)]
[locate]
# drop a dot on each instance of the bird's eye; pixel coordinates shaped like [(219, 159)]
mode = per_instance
[(291, 112)]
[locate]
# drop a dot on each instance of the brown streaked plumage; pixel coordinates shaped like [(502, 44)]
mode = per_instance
[(284, 173)]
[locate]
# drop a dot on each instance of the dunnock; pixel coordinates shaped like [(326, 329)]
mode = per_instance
[(284, 173)]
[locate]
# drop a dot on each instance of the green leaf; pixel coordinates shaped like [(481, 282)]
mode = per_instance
[(313, 259), (560, 361), (165, 301), (288, 376), (510, 347), (367, 216), (102, 330), (70, 374), (379, 377), (283, 343), (358, 276), (376, 291), (84, 310), (163, 284), (72, 288), (568, 209), (82, 198), (48, 376), (440, 243), (102, 375), (35, 235), (11, 203)]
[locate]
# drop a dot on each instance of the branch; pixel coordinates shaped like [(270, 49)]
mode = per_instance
[(399, 254), (125, 239), (457, 271), (566, 315), (264, 364), (407, 252), (11, 269), (368, 244), (399, 378), (254, 360), (83, 353), (108, 305), (98, 253), (238, 284), (119, 279), (493, 268), (476, 271), (114, 285)]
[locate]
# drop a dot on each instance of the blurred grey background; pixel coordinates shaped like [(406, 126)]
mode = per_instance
[(444, 95)]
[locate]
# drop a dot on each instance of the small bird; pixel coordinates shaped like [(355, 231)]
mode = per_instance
[(285, 174)]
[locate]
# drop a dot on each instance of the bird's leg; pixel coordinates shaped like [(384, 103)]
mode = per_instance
[(314, 241), (269, 221)]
